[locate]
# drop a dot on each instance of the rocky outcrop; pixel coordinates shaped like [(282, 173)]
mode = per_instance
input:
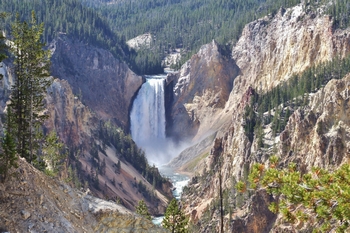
[(30, 201), (141, 41), (271, 49), (269, 52), (102, 82), (95, 88), (319, 135), (316, 135), (202, 88), (257, 218)]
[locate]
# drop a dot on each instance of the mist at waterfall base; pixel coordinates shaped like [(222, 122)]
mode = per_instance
[(147, 122)]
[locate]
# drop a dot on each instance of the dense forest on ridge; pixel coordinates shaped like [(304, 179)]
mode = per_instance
[(185, 24), (69, 17), (188, 24)]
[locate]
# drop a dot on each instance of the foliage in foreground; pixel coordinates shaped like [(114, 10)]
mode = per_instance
[(8, 155), (23, 135), (31, 68), (174, 219), (320, 194)]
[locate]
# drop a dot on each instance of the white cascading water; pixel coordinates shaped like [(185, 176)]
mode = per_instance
[(147, 122), (147, 119)]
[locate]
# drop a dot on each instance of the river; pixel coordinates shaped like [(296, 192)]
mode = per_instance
[(179, 181)]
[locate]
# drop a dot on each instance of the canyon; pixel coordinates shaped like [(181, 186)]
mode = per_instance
[(205, 104)]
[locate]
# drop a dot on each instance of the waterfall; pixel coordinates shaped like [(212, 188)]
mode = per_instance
[(147, 119)]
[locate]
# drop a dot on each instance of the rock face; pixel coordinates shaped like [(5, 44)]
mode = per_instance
[(210, 86), (140, 41), (200, 90), (32, 202), (269, 52), (271, 49), (102, 82), (76, 126), (94, 88), (72, 120), (320, 133)]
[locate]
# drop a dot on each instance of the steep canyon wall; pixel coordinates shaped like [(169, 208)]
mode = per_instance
[(269, 52), (101, 81)]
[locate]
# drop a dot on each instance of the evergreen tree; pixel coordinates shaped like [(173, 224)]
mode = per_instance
[(8, 155), (319, 194), (52, 153), (174, 219), (142, 209), (28, 92)]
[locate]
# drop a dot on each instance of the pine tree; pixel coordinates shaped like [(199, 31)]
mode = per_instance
[(174, 219), (142, 209), (8, 155), (28, 92), (52, 153), (319, 194)]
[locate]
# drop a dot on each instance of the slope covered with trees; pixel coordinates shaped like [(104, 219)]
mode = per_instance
[(188, 24), (289, 95), (174, 24), (72, 18)]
